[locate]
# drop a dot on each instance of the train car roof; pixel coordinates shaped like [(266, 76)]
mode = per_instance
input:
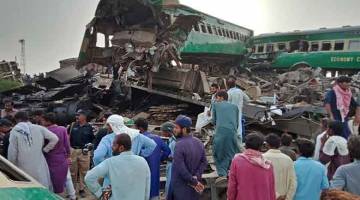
[(188, 8), (309, 32)]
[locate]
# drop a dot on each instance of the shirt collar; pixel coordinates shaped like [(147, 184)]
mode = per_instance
[(127, 153)]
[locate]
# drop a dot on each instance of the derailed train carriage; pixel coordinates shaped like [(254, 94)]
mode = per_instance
[(161, 44)]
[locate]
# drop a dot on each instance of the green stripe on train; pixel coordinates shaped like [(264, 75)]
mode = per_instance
[(27, 194)]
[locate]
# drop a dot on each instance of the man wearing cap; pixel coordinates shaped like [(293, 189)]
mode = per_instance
[(5, 128), (81, 134), (141, 145), (167, 130), (189, 163)]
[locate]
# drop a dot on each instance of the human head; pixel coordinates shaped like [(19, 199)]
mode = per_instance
[(115, 124), (37, 116), (182, 126), (286, 139), (324, 123), (121, 143), (231, 81), (221, 96), (353, 146), (167, 129), (48, 119), (306, 147), (81, 116), (21, 117), (8, 105), (273, 141), (105, 116), (344, 82), (335, 128), (142, 125), (214, 88), (254, 141), (5, 125)]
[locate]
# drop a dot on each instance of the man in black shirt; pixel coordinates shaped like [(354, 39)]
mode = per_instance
[(5, 128), (103, 131), (81, 134)]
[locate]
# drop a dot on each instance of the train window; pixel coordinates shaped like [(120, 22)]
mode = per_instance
[(260, 49), (227, 33), (339, 45), (209, 29), (237, 36), (281, 46), (196, 28), (203, 28), (326, 46), (215, 30), (269, 48), (314, 46), (354, 45), (220, 32)]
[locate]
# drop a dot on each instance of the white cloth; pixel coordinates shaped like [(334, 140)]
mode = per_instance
[(318, 145), (354, 129), (69, 186), (238, 98), (24, 129), (336, 142), (118, 126)]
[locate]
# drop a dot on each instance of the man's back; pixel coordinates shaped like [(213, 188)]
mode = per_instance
[(251, 182), (347, 177), (226, 115), (284, 172), (237, 97), (311, 179), (129, 176)]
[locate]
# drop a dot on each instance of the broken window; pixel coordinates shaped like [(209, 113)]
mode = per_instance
[(269, 48), (354, 45), (215, 30), (232, 35), (209, 29), (224, 33), (281, 46), (326, 46), (100, 40), (314, 46), (227, 33), (237, 36), (220, 32), (203, 28), (260, 49), (196, 28), (339, 46)]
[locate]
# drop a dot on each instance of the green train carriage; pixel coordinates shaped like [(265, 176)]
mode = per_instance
[(335, 49)]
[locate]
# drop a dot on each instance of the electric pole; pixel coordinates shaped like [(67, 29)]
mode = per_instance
[(22, 56)]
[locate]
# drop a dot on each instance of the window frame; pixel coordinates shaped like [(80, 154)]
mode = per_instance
[(210, 31), (278, 45), (351, 41), (339, 42), (202, 28), (326, 42), (258, 46), (311, 46)]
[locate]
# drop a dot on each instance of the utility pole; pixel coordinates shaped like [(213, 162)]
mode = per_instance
[(22, 56)]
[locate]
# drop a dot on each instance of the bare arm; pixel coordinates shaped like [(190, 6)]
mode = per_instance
[(53, 140)]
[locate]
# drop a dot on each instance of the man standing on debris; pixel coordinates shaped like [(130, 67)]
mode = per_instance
[(141, 145), (310, 174), (161, 153), (81, 135), (189, 163), (225, 143), (284, 172), (251, 176), (339, 102), (213, 90), (9, 109), (129, 174), (238, 98), (27, 144), (167, 129)]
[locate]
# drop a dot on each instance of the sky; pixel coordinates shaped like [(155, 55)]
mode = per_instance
[(53, 29)]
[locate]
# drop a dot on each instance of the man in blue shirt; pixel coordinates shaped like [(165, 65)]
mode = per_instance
[(310, 174), (161, 153), (129, 174)]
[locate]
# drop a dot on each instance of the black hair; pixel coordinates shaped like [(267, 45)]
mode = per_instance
[(353, 146), (50, 117), (254, 141), (343, 79), (222, 94), (286, 139), (306, 147), (215, 85), (142, 123), (336, 127), (21, 116), (231, 82), (37, 113), (273, 140), (123, 140)]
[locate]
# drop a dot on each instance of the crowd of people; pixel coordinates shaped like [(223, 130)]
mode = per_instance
[(122, 160)]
